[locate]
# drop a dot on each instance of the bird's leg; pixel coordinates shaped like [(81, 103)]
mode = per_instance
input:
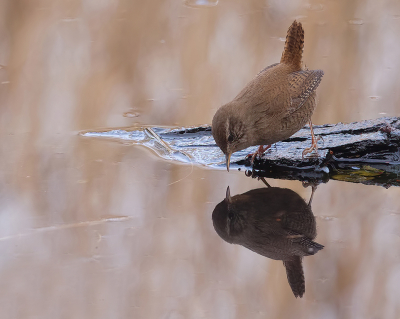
[(313, 189), (264, 181), (314, 145), (259, 152)]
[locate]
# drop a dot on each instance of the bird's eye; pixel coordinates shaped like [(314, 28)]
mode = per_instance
[(230, 138), (230, 216)]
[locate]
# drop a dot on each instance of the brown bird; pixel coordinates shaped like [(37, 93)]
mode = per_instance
[(274, 222), (277, 103)]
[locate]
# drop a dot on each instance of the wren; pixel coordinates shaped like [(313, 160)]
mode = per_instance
[(273, 222), (277, 103)]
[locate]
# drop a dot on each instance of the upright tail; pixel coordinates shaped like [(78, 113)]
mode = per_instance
[(295, 276), (294, 45)]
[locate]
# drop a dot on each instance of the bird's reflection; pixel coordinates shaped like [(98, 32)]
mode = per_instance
[(274, 222)]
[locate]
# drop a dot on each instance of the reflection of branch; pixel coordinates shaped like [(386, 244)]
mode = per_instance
[(68, 226)]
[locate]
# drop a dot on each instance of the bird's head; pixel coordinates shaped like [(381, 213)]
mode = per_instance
[(228, 221), (229, 132)]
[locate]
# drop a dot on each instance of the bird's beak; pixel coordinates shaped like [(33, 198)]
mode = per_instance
[(228, 160), (228, 197)]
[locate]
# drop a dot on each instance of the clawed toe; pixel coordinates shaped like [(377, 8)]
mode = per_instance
[(319, 137), (259, 152), (314, 145), (310, 150)]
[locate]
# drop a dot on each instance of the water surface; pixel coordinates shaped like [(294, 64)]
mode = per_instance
[(95, 228)]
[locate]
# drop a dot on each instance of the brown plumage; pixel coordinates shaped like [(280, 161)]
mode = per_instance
[(274, 222), (294, 45), (277, 103)]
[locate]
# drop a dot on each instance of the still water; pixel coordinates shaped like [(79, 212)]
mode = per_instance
[(97, 228)]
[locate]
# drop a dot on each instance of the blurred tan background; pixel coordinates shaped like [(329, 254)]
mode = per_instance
[(93, 228)]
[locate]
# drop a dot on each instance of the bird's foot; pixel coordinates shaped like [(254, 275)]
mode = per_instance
[(314, 147), (314, 186), (261, 150)]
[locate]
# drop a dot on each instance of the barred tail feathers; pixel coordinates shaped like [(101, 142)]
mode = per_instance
[(295, 276), (293, 51)]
